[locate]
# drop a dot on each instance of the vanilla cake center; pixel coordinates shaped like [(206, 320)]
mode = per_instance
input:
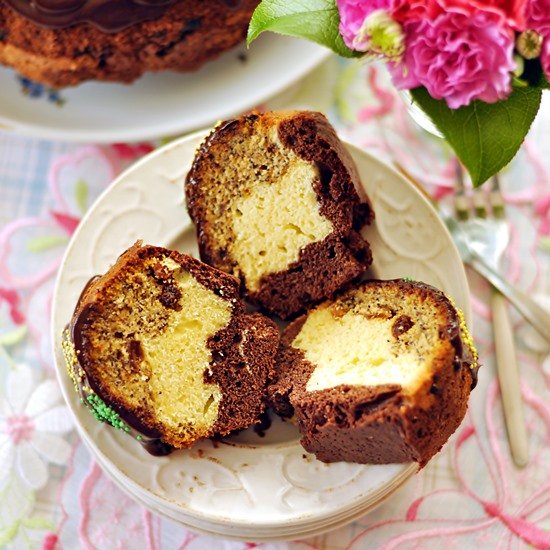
[(275, 221), (359, 350), (178, 357)]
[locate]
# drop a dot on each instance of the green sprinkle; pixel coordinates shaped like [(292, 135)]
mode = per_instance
[(104, 413), (139, 437)]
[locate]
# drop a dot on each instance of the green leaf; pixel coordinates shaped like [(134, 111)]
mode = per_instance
[(9, 532), (38, 523), (315, 20), (484, 136), (519, 83), (45, 242), (13, 337), (81, 195)]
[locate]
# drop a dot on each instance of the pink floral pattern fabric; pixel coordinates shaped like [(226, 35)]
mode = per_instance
[(53, 495)]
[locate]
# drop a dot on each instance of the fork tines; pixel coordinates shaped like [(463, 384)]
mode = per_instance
[(483, 205), (462, 208), (496, 199)]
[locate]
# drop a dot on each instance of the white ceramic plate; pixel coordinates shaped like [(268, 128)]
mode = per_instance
[(245, 487), (281, 530), (162, 104)]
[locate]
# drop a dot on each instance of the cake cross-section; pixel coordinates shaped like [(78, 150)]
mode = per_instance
[(277, 202), (380, 374), (161, 346)]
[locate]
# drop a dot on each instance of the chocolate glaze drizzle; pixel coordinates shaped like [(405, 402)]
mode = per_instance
[(107, 15), (149, 439)]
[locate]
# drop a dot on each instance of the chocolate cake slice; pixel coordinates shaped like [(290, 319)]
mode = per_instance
[(160, 346), (277, 203), (381, 374)]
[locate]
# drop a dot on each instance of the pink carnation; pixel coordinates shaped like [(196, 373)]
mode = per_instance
[(458, 57), (512, 11), (413, 10), (538, 19), (538, 16), (353, 13), (545, 58)]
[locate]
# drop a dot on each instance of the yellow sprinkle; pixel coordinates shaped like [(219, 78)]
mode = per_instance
[(465, 335), (71, 360)]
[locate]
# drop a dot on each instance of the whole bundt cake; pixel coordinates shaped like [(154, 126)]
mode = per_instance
[(65, 42)]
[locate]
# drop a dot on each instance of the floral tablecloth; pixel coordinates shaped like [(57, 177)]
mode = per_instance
[(53, 496)]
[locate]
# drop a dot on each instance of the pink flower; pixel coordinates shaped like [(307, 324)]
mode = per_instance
[(353, 14), (538, 16), (458, 57), (512, 11), (509, 13), (545, 57), (414, 10), (538, 19)]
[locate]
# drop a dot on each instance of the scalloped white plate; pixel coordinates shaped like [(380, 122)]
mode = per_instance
[(245, 487), (164, 104)]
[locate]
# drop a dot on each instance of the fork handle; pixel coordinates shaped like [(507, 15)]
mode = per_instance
[(509, 380), (533, 313)]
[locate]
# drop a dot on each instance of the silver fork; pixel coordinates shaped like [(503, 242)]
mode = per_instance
[(485, 227)]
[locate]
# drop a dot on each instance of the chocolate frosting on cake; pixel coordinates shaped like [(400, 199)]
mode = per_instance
[(62, 43), (107, 15), (152, 443), (120, 419)]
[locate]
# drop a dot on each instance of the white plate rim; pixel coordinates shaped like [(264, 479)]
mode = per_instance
[(267, 536), (285, 74)]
